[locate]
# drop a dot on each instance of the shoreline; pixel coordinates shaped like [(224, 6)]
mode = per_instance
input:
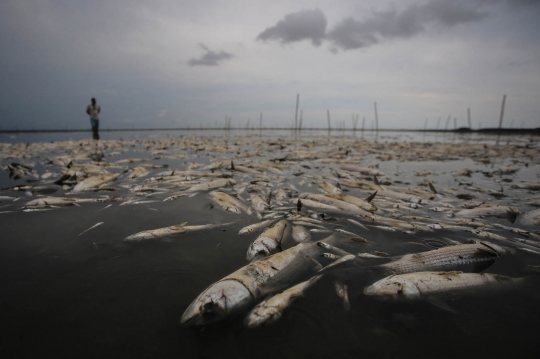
[(462, 130)]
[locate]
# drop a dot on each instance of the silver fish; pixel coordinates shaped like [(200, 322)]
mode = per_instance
[(206, 186), (257, 226), (422, 284), (506, 212), (271, 310), (269, 240), (95, 182), (172, 230), (94, 226), (343, 293), (251, 282), (479, 255), (531, 218), (228, 202)]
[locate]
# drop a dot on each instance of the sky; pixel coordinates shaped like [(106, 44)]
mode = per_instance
[(194, 63)]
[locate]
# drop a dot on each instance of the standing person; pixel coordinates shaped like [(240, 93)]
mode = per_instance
[(93, 111)]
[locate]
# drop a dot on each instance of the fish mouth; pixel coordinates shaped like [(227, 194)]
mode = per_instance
[(216, 303)]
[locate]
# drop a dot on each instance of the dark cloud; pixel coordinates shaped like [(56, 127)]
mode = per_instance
[(298, 26), (385, 25), (378, 26), (210, 58)]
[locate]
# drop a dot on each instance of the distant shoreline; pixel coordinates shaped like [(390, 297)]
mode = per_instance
[(462, 130)]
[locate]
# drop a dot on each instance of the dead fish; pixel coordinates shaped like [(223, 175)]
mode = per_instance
[(258, 204), (138, 172), (364, 204), (533, 186), (251, 282), (59, 201), (423, 284), (479, 256), (357, 224), (485, 234), (228, 202), (95, 182), (343, 293), (312, 204), (217, 183), (257, 226), (358, 238), (401, 196), (130, 160), (172, 230), (175, 196), (505, 212), (144, 188), (271, 310), (336, 203), (328, 187), (268, 240), (530, 218), (94, 226)]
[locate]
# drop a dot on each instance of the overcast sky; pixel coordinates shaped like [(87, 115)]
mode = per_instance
[(179, 63)]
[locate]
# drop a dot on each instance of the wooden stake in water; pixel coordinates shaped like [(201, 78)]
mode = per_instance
[(329, 123), (363, 124), (502, 112), (296, 113), (376, 118), (447, 122)]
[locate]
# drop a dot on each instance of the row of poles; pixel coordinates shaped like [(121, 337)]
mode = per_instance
[(341, 124)]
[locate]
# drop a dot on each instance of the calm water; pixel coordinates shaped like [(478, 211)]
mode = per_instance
[(92, 295)]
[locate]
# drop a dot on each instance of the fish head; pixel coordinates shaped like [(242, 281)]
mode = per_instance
[(261, 246), (246, 230), (262, 315), (216, 303), (138, 237), (393, 287)]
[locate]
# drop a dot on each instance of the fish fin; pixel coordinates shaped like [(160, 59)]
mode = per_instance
[(512, 215), (338, 263), (376, 181), (481, 266), (432, 188), (441, 304), (370, 198), (317, 263)]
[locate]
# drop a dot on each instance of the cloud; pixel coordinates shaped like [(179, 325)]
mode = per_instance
[(162, 113), (378, 26), (298, 26), (209, 58), (391, 24)]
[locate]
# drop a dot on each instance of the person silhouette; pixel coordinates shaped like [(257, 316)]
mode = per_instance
[(93, 111)]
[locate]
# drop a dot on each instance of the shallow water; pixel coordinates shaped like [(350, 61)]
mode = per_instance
[(93, 295)]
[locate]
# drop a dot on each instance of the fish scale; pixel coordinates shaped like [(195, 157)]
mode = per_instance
[(447, 258)]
